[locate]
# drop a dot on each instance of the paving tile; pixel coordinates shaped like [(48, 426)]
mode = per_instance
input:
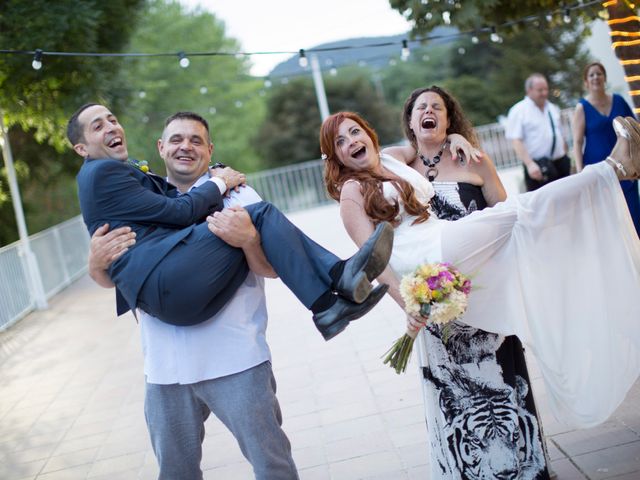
[(419, 473), (132, 474), (72, 473), (308, 457), (239, 471), (626, 476), (80, 443), (72, 408), (609, 434), (12, 470), (397, 475), (116, 465), (553, 451), (320, 472), (405, 416), (301, 422), (348, 412), (311, 437), (70, 460), (384, 464), (414, 455), (610, 462), (566, 470), (357, 446), (409, 435), (32, 454), (299, 407), (352, 428)]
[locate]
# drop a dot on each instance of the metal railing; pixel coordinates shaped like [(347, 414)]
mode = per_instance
[(61, 251), (300, 186)]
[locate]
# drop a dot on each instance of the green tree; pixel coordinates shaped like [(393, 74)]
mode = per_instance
[(289, 133), (487, 77), (480, 15), (217, 87), (426, 66), (35, 103)]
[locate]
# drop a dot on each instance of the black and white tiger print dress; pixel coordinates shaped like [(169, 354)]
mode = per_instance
[(479, 407)]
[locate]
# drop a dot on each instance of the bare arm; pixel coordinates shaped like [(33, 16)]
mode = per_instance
[(234, 226), (359, 227), (523, 155), (404, 153), (106, 247), (458, 145), (492, 189), (577, 127)]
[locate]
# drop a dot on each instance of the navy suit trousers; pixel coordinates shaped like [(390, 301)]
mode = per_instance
[(201, 274)]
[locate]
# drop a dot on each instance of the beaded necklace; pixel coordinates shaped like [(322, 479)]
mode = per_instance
[(432, 169)]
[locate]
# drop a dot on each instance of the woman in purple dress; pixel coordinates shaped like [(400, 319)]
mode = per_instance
[(593, 135)]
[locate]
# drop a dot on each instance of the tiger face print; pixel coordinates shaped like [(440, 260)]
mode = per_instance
[(487, 430)]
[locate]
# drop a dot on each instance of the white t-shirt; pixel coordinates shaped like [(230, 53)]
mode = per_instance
[(528, 123), (231, 341)]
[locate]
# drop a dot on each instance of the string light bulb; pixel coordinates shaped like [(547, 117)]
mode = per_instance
[(405, 52), (566, 18), (494, 35), (303, 61), (184, 61), (37, 60), (475, 40)]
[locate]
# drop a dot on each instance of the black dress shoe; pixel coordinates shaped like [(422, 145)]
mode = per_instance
[(369, 262), (335, 319)]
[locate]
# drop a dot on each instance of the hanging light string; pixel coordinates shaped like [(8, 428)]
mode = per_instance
[(184, 57)]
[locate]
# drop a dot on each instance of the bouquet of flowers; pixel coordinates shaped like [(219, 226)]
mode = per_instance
[(434, 290)]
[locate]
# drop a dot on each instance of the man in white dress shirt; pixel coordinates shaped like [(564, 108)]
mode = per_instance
[(533, 126), (221, 365)]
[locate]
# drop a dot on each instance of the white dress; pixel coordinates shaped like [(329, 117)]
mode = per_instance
[(558, 267)]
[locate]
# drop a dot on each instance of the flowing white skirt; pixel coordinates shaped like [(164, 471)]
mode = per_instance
[(559, 268)]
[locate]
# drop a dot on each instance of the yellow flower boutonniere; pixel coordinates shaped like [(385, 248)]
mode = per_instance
[(141, 165)]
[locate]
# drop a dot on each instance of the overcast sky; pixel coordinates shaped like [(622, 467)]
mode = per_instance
[(288, 25)]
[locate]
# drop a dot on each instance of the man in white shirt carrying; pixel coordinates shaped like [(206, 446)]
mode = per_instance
[(533, 126), (221, 365)]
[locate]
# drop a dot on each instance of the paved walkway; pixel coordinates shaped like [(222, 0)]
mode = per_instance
[(71, 397)]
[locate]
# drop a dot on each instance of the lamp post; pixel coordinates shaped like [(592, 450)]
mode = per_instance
[(319, 85), (30, 263)]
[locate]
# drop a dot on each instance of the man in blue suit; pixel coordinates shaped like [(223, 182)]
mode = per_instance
[(183, 274)]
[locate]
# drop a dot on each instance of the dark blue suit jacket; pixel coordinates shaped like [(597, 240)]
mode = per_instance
[(114, 192)]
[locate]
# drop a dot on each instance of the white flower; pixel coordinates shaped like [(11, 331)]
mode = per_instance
[(450, 309)]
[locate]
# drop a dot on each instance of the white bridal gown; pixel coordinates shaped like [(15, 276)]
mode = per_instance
[(558, 267)]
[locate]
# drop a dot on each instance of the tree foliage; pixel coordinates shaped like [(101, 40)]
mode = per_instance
[(217, 87), (143, 91), (35, 104), (487, 77), (289, 133), (39, 100), (526, 16)]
